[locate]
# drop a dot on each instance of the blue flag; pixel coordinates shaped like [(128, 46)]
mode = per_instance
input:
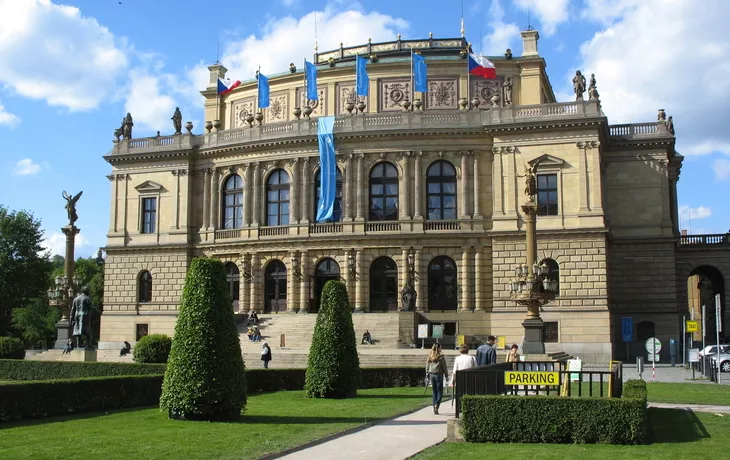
[(311, 73), (263, 91), (361, 75), (328, 168), (419, 73)]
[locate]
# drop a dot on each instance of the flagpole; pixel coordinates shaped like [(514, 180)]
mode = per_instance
[(413, 89), (305, 89), (217, 93), (258, 90)]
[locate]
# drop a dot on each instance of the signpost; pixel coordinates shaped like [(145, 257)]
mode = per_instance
[(653, 347), (718, 329), (438, 332), (422, 333), (627, 333), (575, 365), (693, 326)]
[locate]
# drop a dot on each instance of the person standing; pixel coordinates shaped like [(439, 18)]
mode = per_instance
[(513, 356), (462, 362), (437, 371), (266, 354), (486, 354)]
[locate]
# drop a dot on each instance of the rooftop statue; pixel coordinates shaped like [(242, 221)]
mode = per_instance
[(126, 128), (71, 206), (592, 90), (176, 121), (579, 85)]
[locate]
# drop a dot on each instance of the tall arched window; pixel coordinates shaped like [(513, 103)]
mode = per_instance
[(441, 191), (233, 279), (337, 211), (383, 285), (277, 198), (145, 287), (233, 202), (442, 286), (553, 272), (384, 192)]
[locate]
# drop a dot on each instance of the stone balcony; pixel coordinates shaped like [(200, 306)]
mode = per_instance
[(716, 241)]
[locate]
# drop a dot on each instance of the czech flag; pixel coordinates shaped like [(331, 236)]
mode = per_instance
[(481, 67), (226, 86)]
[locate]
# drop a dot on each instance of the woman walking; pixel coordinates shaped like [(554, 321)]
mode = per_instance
[(265, 354), (463, 361), (437, 371)]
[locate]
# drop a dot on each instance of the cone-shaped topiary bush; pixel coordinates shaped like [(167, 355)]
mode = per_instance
[(154, 348), (333, 370), (205, 379)]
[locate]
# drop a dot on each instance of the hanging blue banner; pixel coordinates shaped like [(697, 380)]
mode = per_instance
[(263, 91), (361, 76), (311, 72), (328, 168), (419, 73)]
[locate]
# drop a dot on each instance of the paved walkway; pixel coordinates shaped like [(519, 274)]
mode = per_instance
[(667, 373), (395, 439), (693, 407)]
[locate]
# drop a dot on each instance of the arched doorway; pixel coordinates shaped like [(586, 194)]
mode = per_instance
[(233, 279), (326, 270), (383, 285), (442, 288), (275, 298), (702, 285)]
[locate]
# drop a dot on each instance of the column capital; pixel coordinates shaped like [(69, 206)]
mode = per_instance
[(595, 144), (111, 177), (405, 154), (510, 149), (293, 161), (497, 150), (581, 145), (465, 153), (122, 177)]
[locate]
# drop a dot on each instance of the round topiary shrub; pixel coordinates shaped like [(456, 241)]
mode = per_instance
[(333, 370), (153, 348), (11, 348), (204, 378)]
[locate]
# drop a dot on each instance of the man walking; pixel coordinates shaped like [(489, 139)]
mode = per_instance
[(486, 354)]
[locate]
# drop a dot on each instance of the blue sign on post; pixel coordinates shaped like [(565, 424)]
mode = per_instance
[(627, 329)]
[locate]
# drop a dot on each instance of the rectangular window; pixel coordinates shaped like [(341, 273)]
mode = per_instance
[(142, 330), (547, 195), (149, 214), (550, 332)]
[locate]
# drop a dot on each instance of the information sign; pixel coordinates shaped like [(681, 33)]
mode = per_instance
[(438, 331), (423, 331), (531, 378), (693, 326)]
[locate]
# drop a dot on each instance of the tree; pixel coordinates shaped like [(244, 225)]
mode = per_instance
[(36, 322), (24, 265), (333, 370), (204, 377)]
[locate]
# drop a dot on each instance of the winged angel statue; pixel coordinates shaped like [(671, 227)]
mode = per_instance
[(71, 206), (530, 179)]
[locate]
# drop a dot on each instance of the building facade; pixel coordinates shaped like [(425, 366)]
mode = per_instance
[(428, 190)]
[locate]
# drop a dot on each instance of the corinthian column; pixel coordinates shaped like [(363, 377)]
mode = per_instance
[(213, 199), (247, 195), (304, 283), (255, 204), (478, 279), (477, 187), (294, 187), (348, 188), (305, 191), (405, 212), (359, 300), (418, 211), (465, 281), (360, 166), (206, 199), (464, 186)]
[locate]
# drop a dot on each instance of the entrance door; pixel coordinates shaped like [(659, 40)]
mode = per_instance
[(442, 284), (275, 298), (383, 285), (327, 269)]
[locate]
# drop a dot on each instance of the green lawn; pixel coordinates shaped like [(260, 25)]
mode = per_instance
[(273, 422), (689, 393), (676, 434)]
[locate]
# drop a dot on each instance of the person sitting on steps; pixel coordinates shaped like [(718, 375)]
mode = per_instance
[(126, 349), (366, 338), (254, 318)]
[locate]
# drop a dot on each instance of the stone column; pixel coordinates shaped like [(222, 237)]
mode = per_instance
[(510, 188), (464, 186), (359, 185), (404, 204), (418, 211), (294, 187), (478, 279), (255, 204), (420, 283), (348, 188), (206, 199), (175, 224), (125, 202), (497, 182), (304, 282), (666, 195), (465, 290), (306, 178), (403, 278), (254, 284), (214, 199), (477, 187), (115, 200), (291, 286), (246, 194), (596, 203), (582, 178), (359, 300), (244, 302)]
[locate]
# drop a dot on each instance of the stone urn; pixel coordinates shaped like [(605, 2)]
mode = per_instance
[(349, 106), (361, 106), (661, 115), (495, 100), (406, 105), (217, 124), (189, 127), (259, 117), (298, 112), (475, 103), (418, 104), (209, 125), (249, 120), (307, 111), (463, 103)]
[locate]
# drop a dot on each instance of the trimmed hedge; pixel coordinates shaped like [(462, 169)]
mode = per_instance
[(11, 369), (11, 348), (56, 397), (559, 420), (259, 380), (153, 348)]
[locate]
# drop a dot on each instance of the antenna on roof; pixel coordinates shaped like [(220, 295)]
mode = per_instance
[(218, 53), (481, 41), (529, 24), (315, 32), (462, 18)]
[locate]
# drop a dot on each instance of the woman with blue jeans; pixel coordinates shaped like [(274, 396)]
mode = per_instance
[(437, 371)]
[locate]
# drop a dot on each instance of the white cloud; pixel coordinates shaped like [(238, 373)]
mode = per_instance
[(686, 213), (503, 35), (550, 13), (7, 118), (26, 167), (56, 243), (150, 107), (667, 54), (722, 169), (51, 52)]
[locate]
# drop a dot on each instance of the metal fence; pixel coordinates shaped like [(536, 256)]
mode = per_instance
[(709, 368), (490, 380)]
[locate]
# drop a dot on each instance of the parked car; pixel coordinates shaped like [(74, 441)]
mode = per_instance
[(724, 361), (712, 350)]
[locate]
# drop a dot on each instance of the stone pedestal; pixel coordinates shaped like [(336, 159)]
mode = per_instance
[(63, 328), (533, 344), (82, 355)]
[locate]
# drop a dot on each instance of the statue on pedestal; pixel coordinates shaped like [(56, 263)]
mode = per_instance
[(507, 89), (126, 128), (176, 121), (71, 207), (579, 85), (592, 89), (81, 317), (408, 297), (530, 179)]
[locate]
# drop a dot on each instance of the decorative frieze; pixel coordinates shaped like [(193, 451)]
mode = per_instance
[(278, 109), (488, 92), (393, 93), (241, 109), (443, 94), (319, 107), (345, 92)]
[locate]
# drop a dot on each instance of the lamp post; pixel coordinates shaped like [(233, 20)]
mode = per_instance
[(295, 265), (411, 267), (351, 265)]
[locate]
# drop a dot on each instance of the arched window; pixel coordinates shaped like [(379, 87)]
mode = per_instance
[(233, 279), (145, 287), (277, 198), (441, 191), (337, 211), (553, 272), (233, 202), (384, 192), (275, 287)]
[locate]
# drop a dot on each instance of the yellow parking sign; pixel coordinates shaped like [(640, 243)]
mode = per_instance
[(693, 326)]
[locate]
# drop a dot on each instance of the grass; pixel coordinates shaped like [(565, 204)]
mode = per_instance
[(272, 422), (689, 393), (676, 434)]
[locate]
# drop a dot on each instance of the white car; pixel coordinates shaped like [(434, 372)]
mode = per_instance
[(724, 361), (712, 350)]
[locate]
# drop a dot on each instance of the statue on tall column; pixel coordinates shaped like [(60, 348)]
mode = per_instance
[(176, 121), (81, 317), (408, 296), (579, 85), (530, 179), (71, 206)]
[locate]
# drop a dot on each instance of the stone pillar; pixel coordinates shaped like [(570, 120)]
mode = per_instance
[(497, 182), (403, 278), (510, 187), (465, 300), (420, 284), (478, 279), (666, 195), (405, 212), (246, 194), (582, 178), (291, 286), (418, 211), (125, 202), (175, 224), (206, 199), (294, 187), (306, 179), (214, 199), (244, 303), (254, 284), (304, 283), (477, 187), (359, 185), (256, 202), (359, 300), (596, 203), (464, 186), (348, 189), (115, 200)]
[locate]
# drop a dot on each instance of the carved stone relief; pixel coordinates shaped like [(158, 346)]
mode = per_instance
[(319, 107), (241, 109), (393, 93), (278, 109), (489, 92), (346, 93), (443, 93)]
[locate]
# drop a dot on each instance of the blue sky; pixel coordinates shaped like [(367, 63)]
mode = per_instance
[(70, 70)]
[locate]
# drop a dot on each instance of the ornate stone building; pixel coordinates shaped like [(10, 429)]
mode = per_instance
[(427, 189)]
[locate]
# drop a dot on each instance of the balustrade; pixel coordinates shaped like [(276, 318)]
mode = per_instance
[(442, 225), (382, 227), (274, 231), (227, 234), (705, 240), (317, 229)]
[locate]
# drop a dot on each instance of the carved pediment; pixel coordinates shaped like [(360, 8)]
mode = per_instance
[(150, 187), (547, 160)]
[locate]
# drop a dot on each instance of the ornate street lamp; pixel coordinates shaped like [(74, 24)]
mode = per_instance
[(295, 265), (411, 266), (247, 276), (351, 265)]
